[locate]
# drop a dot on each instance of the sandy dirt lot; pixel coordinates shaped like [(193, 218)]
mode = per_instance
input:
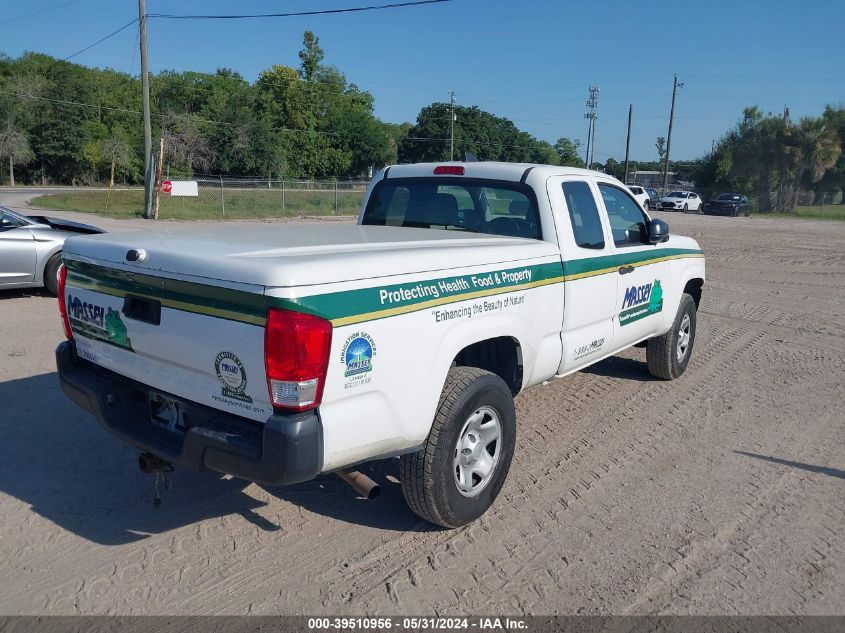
[(720, 493)]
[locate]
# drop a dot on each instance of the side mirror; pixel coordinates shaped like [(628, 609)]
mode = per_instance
[(658, 231)]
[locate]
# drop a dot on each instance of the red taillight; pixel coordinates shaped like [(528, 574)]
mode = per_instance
[(60, 291), (449, 170), (296, 353)]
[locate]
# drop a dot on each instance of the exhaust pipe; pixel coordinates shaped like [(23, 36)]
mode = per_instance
[(150, 464), (363, 485)]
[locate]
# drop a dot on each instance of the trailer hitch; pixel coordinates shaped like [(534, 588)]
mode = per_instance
[(152, 465)]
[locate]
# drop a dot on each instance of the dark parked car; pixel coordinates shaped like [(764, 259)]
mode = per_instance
[(653, 198), (732, 204)]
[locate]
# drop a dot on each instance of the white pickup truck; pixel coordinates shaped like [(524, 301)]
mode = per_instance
[(275, 353)]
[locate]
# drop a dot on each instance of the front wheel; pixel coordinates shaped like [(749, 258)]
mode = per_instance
[(669, 354), (686, 208), (460, 470)]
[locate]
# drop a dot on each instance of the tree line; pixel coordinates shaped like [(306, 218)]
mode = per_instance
[(67, 124), (62, 123), (773, 158)]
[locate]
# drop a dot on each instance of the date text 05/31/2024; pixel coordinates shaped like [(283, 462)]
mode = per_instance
[(416, 623)]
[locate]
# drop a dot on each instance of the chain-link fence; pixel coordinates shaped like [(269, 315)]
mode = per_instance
[(233, 197)]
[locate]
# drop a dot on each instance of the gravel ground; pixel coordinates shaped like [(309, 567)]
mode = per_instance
[(720, 493)]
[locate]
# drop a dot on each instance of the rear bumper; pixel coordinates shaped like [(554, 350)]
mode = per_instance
[(283, 450)]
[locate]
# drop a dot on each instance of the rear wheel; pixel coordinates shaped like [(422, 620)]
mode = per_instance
[(669, 354), (51, 274), (460, 470)]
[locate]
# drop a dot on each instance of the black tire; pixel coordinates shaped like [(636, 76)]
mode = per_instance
[(428, 476), (662, 351), (686, 208), (51, 274)]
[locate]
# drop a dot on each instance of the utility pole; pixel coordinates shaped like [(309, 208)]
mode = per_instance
[(157, 179), (589, 136), (675, 87), (452, 118), (591, 116), (145, 101), (628, 142)]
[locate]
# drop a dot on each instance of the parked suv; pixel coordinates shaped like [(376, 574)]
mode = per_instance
[(732, 204), (653, 198), (640, 195)]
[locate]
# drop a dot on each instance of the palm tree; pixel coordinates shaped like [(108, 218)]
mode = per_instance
[(815, 148), (758, 152)]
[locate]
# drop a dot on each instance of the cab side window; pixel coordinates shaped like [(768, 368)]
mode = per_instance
[(628, 223), (584, 215)]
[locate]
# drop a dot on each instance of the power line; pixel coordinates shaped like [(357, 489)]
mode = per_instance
[(101, 40), (39, 12), (155, 114), (377, 7), (418, 139)]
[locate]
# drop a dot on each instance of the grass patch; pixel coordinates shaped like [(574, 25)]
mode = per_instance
[(827, 212), (239, 204)]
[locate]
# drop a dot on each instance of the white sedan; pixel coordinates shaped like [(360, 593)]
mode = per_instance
[(681, 201)]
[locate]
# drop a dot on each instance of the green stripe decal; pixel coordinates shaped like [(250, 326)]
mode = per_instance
[(224, 303), (367, 304), (592, 266), (355, 306)]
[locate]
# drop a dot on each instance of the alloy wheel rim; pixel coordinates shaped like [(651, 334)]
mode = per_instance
[(477, 451), (684, 335)]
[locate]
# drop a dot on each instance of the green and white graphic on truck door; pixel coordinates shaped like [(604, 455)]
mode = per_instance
[(641, 301)]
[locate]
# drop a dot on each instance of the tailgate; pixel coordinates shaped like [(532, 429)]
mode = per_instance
[(200, 342)]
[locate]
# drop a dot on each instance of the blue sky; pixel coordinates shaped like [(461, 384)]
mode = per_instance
[(531, 61)]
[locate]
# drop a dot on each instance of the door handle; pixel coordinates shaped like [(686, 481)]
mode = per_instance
[(139, 309), (624, 270)]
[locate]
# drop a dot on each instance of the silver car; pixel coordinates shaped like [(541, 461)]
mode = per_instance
[(31, 248)]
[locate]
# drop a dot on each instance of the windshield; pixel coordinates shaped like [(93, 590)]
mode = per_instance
[(677, 194), (727, 196), (455, 204)]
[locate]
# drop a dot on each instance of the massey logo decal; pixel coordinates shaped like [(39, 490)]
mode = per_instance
[(232, 375), (97, 322), (357, 357), (84, 311), (641, 301)]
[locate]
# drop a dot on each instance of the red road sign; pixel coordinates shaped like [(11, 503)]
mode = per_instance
[(166, 186)]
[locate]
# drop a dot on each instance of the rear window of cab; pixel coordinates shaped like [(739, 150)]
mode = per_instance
[(455, 204)]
